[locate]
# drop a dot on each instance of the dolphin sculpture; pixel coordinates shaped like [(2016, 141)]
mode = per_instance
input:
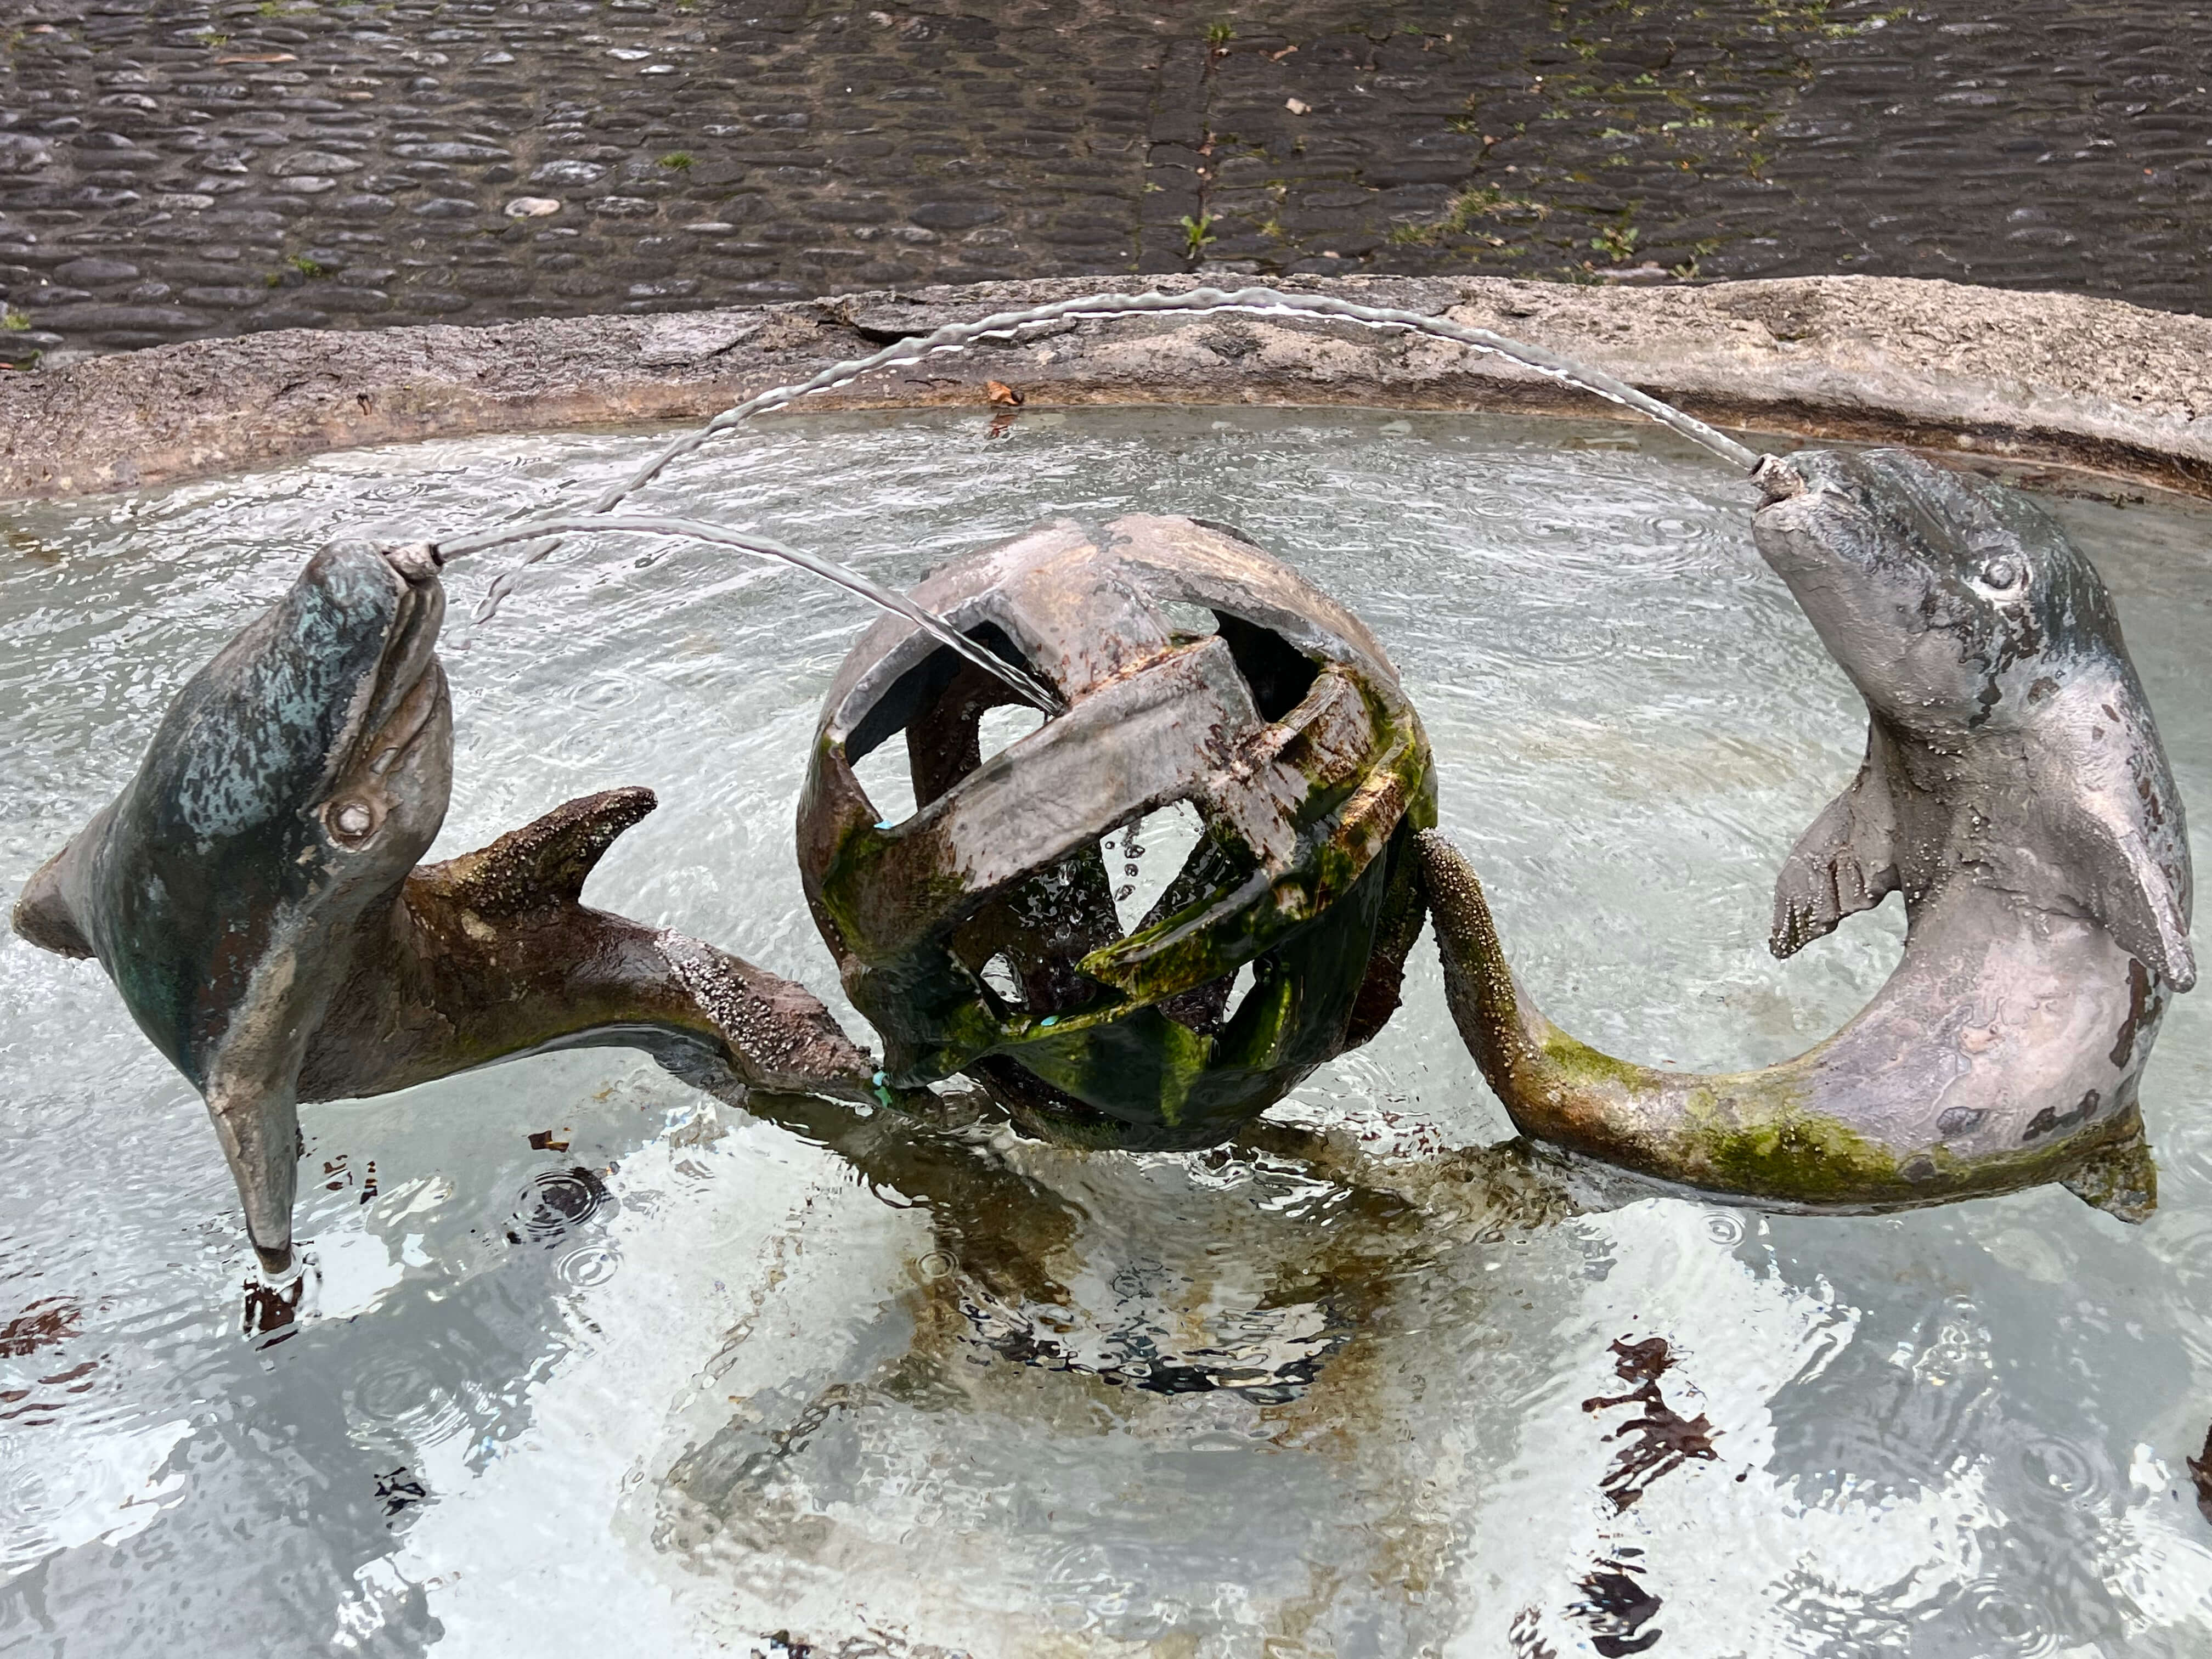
[(2014, 791), (253, 894)]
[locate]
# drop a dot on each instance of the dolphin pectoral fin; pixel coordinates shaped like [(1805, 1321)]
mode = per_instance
[(2121, 1180), (1841, 865), (43, 914), (2139, 899), (259, 1129)]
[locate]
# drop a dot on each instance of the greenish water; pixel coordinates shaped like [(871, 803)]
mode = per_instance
[(750, 1376)]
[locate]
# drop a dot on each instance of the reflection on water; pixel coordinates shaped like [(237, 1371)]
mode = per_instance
[(600, 1361)]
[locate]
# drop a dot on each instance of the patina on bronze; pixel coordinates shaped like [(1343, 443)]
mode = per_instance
[(2015, 793), (252, 893), (1280, 721)]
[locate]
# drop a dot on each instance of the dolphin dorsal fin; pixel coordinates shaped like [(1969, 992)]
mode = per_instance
[(543, 863), (2120, 838)]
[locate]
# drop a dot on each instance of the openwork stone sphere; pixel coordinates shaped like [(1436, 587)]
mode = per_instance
[(980, 935)]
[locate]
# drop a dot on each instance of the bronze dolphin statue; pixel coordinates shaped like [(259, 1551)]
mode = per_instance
[(2015, 793), (253, 894)]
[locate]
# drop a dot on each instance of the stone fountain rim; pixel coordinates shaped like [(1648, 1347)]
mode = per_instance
[(2008, 379)]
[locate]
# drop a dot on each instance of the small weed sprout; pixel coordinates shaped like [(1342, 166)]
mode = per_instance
[(1616, 242), (309, 269)]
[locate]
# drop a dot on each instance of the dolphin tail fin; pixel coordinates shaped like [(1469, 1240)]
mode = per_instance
[(1500, 1025), (1557, 1089), (42, 913), (2121, 1179), (528, 965), (543, 863)]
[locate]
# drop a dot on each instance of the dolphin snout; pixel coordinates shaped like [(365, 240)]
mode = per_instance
[(394, 599), (1805, 529), (1777, 479), (411, 648), (418, 562)]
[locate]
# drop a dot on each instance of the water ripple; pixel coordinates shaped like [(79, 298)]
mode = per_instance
[(1632, 725), (401, 1393), (556, 1202), (2008, 1617)]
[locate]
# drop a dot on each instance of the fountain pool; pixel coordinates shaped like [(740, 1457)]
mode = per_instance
[(602, 1363)]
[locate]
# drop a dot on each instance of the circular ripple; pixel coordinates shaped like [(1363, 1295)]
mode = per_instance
[(605, 695), (2069, 1472), (397, 1392), (2007, 1619), (557, 1201), (580, 745), (24, 1493), (400, 1390), (1724, 1229), (593, 1265), (34, 1492)]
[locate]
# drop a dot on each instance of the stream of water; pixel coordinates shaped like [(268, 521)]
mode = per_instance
[(605, 1365)]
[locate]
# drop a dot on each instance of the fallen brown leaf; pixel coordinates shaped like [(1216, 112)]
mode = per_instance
[(1000, 393)]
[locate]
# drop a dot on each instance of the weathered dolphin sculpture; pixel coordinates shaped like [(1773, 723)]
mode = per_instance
[(2013, 790), (252, 893)]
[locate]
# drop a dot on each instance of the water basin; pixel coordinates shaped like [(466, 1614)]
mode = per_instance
[(602, 1364)]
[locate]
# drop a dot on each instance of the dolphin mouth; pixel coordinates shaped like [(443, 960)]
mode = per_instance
[(398, 714), (1814, 534), (390, 745)]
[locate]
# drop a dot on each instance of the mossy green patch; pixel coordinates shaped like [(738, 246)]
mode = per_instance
[(1798, 1156), (1584, 1067)]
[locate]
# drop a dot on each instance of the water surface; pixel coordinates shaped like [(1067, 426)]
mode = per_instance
[(679, 1378)]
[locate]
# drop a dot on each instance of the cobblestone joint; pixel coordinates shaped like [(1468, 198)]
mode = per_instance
[(172, 169)]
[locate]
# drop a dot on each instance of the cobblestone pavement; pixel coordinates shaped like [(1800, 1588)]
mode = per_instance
[(172, 168)]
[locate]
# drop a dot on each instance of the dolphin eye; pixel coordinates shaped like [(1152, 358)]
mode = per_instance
[(2003, 573), (351, 820)]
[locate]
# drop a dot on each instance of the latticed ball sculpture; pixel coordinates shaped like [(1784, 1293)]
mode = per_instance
[(980, 935)]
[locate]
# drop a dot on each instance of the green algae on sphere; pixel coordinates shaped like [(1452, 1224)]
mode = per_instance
[(981, 936)]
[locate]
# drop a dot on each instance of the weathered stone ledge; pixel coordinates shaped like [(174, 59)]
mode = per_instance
[(2041, 378)]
